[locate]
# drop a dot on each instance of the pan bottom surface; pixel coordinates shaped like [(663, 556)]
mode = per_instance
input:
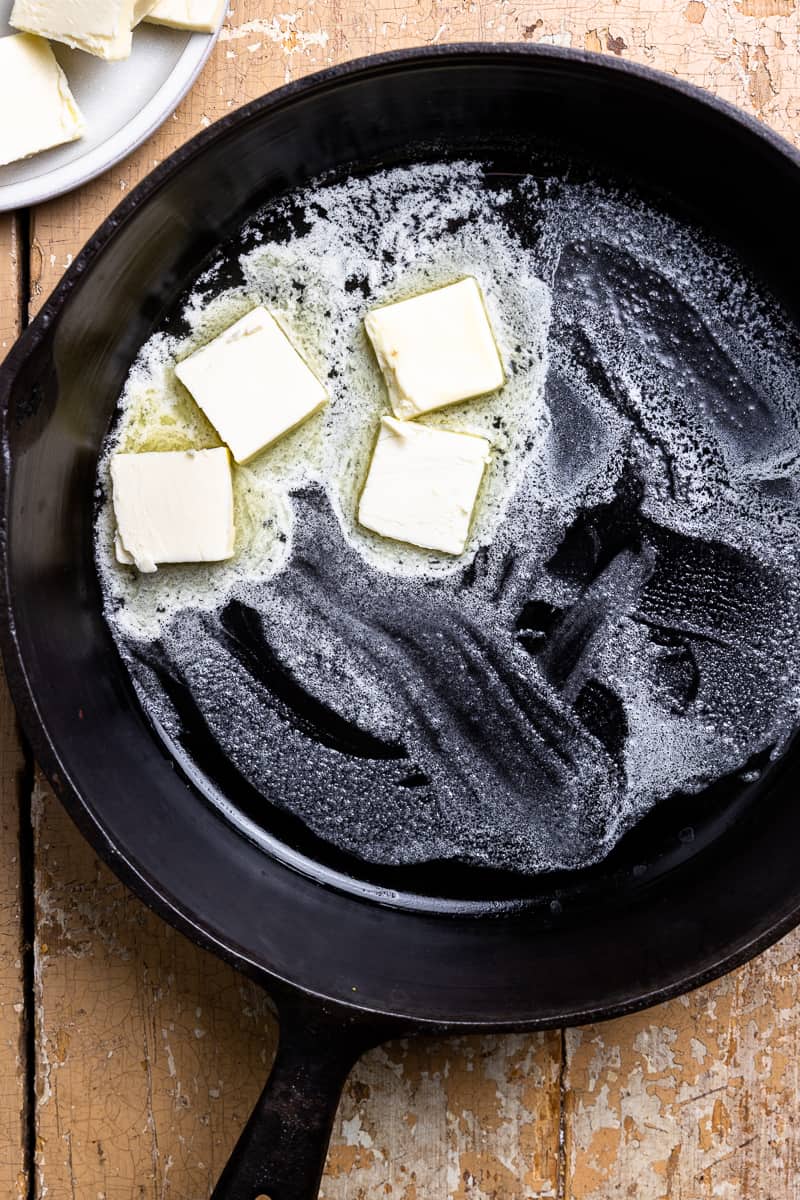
[(607, 678)]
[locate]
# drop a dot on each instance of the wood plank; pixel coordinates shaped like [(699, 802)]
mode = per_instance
[(464, 1118), (13, 1114), (10, 281), (127, 1111), (694, 1099), (150, 1052)]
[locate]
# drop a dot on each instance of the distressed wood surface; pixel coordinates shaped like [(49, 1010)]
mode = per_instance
[(150, 1052), (13, 1114)]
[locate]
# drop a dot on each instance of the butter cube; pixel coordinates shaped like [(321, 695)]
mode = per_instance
[(252, 384), (422, 485), (100, 27), (436, 349), (34, 94), (173, 507), (203, 16)]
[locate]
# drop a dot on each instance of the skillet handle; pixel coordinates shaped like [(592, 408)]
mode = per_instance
[(281, 1152)]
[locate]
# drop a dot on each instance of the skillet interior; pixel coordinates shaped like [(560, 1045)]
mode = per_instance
[(269, 896)]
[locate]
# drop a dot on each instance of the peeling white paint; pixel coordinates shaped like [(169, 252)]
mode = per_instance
[(281, 29), (556, 39), (354, 1133)]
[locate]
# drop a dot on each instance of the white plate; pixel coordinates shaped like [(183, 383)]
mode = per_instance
[(123, 103)]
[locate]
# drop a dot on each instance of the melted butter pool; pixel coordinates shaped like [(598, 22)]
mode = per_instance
[(624, 622)]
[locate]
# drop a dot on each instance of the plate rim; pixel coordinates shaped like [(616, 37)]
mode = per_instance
[(72, 175)]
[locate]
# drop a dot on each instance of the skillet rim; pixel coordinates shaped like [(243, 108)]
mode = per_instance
[(154, 893)]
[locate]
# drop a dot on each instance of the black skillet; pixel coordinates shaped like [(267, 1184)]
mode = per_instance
[(352, 961)]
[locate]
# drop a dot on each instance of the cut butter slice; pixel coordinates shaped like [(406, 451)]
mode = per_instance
[(203, 16), (40, 110), (252, 384), (422, 485), (436, 349), (100, 27), (174, 506)]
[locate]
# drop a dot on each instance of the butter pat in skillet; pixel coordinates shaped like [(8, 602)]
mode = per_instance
[(436, 349), (252, 384), (39, 110), (173, 507), (422, 485), (203, 16), (100, 27)]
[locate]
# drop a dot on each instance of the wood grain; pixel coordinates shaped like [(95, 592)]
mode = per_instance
[(467, 1118), (695, 1099), (150, 1052), (13, 1173)]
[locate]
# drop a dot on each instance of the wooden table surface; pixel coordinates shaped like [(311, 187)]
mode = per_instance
[(129, 1059)]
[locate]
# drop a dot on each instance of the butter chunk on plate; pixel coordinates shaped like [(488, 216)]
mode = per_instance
[(39, 109), (203, 16), (422, 485), (436, 349), (252, 384), (100, 27), (174, 506)]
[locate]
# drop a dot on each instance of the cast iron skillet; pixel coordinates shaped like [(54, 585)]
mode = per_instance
[(350, 961)]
